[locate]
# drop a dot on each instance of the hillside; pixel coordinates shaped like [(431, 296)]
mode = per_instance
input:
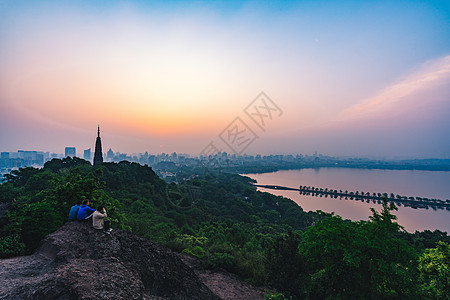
[(77, 262), (221, 220), (213, 221)]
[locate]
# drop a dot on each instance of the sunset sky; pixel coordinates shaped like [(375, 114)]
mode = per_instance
[(360, 78)]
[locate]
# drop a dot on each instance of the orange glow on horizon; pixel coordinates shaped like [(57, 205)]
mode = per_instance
[(71, 97)]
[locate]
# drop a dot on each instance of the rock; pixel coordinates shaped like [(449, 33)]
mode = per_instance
[(78, 262), (222, 283)]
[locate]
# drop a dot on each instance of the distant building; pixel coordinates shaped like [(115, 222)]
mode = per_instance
[(46, 156), (4, 160), (98, 156), (87, 154), (110, 155), (70, 151)]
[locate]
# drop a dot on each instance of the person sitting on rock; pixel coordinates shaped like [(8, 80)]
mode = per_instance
[(74, 211), (98, 220), (84, 211)]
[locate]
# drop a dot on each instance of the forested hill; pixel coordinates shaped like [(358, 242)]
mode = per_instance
[(222, 219), (226, 223)]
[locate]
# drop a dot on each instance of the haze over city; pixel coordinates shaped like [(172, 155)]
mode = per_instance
[(349, 78)]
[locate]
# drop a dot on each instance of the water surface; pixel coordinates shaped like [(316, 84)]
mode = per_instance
[(429, 184)]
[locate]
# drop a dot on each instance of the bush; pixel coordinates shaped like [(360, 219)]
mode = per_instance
[(11, 246), (284, 265), (434, 268), (275, 296), (221, 260), (196, 251)]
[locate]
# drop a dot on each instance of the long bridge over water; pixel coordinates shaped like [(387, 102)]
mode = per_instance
[(413, 202)]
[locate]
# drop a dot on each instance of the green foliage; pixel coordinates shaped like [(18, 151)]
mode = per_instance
[(11, 245), (41, 199), (285, 265), (190, 244), (21, 176), (7, 192), (221, 260), (275, 296), (427, 239), (62, 165), (359, 259), (196, 251), (37, 220), (333, 257), (115, 213), (434, 268)]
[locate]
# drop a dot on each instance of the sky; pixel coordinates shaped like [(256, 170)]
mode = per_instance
[(343, 78)]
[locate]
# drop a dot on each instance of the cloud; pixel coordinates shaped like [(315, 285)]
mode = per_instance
[(428, 77)]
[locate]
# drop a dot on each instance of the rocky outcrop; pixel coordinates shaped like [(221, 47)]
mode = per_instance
[(78, 262)]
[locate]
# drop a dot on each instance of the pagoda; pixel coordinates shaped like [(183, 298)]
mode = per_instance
[(98, 155)]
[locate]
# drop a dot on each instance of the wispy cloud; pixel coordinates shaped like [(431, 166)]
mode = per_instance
[(430, 75)]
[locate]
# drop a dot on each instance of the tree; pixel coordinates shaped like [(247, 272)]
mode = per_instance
[(434, 268), (366, 259), (392, 261), (332, 251), (285, 266)]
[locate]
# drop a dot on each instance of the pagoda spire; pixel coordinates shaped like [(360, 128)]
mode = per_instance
[(98, 155)]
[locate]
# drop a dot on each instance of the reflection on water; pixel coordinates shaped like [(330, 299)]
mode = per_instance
[(404, 182)]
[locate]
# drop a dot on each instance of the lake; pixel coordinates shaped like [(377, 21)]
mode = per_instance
[(429, 184)]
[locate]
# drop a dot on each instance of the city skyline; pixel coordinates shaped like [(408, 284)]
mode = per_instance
[(343, 78)]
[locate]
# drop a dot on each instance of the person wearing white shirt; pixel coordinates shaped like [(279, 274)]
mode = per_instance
[(98, 219)]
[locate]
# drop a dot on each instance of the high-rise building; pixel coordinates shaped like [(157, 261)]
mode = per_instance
[(98, 154), (70, 151), (87, 154), (4, 160)]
